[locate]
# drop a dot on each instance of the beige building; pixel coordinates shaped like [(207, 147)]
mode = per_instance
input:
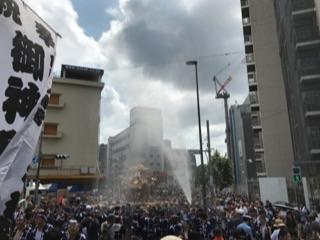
[(71, 127), (272, 137)]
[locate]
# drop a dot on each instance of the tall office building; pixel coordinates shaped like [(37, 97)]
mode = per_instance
[(299, 39), (140, 143), (103, 161), (269, 112), (179, 163), (146, 137), (71, 127), (243, 154)]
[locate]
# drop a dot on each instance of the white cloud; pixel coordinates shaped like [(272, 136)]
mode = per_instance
[(114, 12), (143, 54)]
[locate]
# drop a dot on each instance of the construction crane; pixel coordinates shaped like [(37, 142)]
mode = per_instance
[(222, 93)]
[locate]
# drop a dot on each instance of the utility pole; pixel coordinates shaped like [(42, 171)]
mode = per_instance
[(210, 165), (36, 195)]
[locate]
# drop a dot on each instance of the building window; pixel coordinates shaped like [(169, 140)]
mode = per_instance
[(302, 4), (260, 168), (252, 77), (251, 68), (314, 136), (254, 97), (309, 62), (257, 140), (48, 161), (312, 100), (249, 49), (54, 99), (255, 119), (245, 12), (50, 129), (247, 31)]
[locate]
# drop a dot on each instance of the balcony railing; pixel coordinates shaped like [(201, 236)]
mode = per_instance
[(56, 171), (259, 157), (298, 5), (254, 98), (246, 21), (257, 142), (247, 39), (252, 79), (260, 167), (244, 3), (249, 58), (256, 121)]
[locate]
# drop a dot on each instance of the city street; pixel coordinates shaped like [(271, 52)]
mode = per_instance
[(160, 120)]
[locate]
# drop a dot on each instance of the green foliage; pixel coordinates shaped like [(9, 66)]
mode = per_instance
[(199, 174), (221, 169)]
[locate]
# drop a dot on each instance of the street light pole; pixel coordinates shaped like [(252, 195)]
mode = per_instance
[(204, 193)]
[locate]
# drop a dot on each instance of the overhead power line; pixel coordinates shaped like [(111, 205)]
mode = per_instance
[(177, 61)]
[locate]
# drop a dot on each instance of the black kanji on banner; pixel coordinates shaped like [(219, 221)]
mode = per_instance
[(51, 64), (45, 35), (19, 100), (40, 114), (5, 138), (10, 8), (28, 57)]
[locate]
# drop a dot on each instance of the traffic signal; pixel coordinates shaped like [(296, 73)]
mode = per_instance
[(297, 174)]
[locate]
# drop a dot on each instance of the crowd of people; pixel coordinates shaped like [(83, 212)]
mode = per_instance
[(89, 216)]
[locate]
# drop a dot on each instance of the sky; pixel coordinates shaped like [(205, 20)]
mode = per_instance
[(142, 46)]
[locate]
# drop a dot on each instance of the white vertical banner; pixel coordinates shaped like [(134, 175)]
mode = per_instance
[(27, 53), (306, 193)]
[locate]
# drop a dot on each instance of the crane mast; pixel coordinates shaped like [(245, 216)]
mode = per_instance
[(222, 93)]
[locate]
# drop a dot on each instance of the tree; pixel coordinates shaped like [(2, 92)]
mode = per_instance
[(221, 170), (198, 176)]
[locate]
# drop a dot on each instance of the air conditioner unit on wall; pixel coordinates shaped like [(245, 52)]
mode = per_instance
[(92, 170)]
